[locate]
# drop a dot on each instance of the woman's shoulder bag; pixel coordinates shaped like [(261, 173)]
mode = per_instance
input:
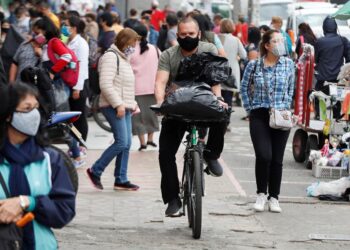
[(11, 236)]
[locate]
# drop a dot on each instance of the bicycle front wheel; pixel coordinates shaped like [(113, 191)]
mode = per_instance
[(196, 195), (98, 116)]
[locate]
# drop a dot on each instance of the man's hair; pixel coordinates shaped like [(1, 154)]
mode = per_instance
[(277, 19), (21, 10), (172, 20), (107, 18), (73, 13), (43, 3), (133, 12), (187, 20), (91, 15)]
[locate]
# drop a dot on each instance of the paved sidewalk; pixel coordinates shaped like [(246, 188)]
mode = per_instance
[(135, 220)]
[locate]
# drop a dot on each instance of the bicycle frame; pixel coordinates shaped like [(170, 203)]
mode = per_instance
[(191, 145)]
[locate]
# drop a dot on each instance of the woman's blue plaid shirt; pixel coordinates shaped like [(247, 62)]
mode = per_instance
[(280, 81)]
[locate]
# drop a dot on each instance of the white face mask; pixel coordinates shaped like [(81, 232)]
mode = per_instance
[(26, 123), (129, 51), (279, 49)]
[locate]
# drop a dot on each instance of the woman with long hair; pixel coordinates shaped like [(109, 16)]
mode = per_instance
[(305, 35), (145, 59), (268, 83)]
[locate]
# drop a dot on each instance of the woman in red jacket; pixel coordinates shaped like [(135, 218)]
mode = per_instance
[(45, 31)]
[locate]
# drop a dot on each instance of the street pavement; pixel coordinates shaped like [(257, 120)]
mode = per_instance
[(111, 219)]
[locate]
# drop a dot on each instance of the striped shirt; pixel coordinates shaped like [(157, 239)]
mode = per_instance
[(273, 86)]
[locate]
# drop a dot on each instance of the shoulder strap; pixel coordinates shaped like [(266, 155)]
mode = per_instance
[(157, 51), (116, 54), (4, 187)]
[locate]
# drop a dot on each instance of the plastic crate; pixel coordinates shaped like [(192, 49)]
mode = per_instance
[(329, 172)]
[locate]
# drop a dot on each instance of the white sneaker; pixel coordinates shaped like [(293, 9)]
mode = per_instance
[(274, 205), (79, 164), (259, 205)]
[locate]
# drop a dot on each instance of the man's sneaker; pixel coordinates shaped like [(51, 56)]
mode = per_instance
[(79, 164), (214, 168), (95, 180), (259, 205), (173, 209), (128, 186), (274, 205)]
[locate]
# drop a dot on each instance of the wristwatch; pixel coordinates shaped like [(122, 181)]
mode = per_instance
[(220, 98), (22, 202)]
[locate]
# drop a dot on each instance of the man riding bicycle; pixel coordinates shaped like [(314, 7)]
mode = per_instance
[(172, 131)]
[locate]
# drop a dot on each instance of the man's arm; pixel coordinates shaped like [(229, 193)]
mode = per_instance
[(161, 82), (216, 89)]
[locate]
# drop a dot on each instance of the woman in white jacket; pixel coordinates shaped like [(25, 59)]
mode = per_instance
[(117, 102)]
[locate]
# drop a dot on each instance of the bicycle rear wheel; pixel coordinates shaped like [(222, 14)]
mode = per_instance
[(196, 195), (98, 116)]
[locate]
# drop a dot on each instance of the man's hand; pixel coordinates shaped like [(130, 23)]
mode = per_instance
[(10, 210), (223, 104), (76, 94), (120, 111)]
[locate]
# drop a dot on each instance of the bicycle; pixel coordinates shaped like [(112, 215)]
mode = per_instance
[(97, 115), (192, 184)]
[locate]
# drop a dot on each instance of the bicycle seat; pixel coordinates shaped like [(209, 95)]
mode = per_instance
[(63, 117)]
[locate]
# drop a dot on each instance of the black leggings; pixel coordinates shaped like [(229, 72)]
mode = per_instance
[(80, 105), (269, 145)]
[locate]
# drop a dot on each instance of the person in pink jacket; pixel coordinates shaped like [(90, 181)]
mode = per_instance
[(144, 63)]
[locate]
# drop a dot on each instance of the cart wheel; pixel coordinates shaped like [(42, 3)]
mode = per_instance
[(299, 145), (312, 144)]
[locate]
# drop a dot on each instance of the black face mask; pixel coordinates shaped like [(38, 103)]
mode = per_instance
[(188, 43)]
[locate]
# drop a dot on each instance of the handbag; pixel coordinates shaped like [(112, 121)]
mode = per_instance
[(279, 118), (11, 236)]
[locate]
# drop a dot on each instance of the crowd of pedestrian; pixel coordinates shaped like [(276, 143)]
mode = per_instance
[(132, 63)]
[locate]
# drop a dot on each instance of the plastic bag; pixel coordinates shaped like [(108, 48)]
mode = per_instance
[(61, 94), (335, 188), (204, 67), (194, 101)]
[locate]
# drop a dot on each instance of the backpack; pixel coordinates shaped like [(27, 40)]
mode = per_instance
[(70, 73), (93, 50), (94, 78)]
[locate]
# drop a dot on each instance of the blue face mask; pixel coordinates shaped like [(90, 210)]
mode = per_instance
[(65, 31)]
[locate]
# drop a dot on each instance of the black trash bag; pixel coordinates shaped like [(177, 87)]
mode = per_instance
[(194, 101), (205, 67)]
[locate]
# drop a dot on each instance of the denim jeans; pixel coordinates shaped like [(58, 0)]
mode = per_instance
[(121, 128)]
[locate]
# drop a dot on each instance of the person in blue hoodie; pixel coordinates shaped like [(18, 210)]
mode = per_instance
[(330, 53), (35, 176)]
